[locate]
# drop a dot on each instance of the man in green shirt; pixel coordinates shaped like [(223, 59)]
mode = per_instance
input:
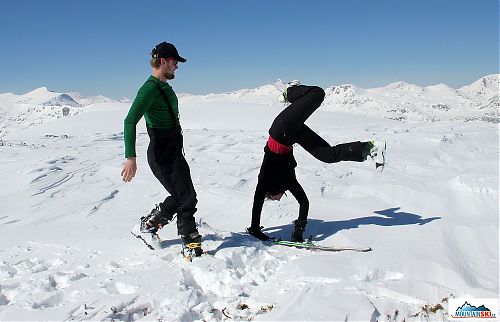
[(157, 102)]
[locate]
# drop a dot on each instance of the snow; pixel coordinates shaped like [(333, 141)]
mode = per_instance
[(65, 215)]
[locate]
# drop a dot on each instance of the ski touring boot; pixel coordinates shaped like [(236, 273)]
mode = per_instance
[(257, 233), (191, 246), (376, 151), (155, 220), (283, 98), (297, 234)]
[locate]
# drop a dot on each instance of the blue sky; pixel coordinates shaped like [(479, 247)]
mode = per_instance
[(102, 47)]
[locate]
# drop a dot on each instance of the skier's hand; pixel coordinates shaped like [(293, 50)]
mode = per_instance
[(129, 169)]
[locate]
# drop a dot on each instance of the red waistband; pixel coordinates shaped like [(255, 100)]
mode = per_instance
[(278, 148)]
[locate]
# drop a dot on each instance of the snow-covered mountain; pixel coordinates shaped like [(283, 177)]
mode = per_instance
[(45, 97), (403, 101), (398, 101), (42, 105), (263, 94), (483, 88)]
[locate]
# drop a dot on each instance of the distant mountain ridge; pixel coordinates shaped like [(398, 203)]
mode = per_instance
[(42, 105), (45, 97), (479, 101)]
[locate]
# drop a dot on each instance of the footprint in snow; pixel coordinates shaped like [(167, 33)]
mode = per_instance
[(120, 288)]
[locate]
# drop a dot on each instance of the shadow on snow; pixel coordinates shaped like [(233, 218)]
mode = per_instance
[(321, 230)]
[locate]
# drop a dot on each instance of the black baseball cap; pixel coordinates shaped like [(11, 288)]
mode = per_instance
[(166, 50)]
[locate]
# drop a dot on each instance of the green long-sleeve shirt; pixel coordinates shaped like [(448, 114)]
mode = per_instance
[(150, 103)]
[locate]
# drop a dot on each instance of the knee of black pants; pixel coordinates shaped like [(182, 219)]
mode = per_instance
[(188, 204), (315, 93), (183, 187), (351, 151)]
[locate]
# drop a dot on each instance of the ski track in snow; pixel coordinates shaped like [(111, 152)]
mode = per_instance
[(71, 256)]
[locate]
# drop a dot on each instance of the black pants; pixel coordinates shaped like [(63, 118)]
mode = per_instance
[(166, 160), (289, 128)]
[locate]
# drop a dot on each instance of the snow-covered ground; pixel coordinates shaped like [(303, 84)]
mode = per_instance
[(66, 251)]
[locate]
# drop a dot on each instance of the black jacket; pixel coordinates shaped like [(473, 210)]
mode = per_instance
[(277, 174)]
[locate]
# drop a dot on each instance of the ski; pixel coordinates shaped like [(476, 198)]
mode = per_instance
[(152, 240), (314, 246), (309, 244)]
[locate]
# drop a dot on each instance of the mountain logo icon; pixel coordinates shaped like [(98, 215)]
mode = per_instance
[(467, 310)]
